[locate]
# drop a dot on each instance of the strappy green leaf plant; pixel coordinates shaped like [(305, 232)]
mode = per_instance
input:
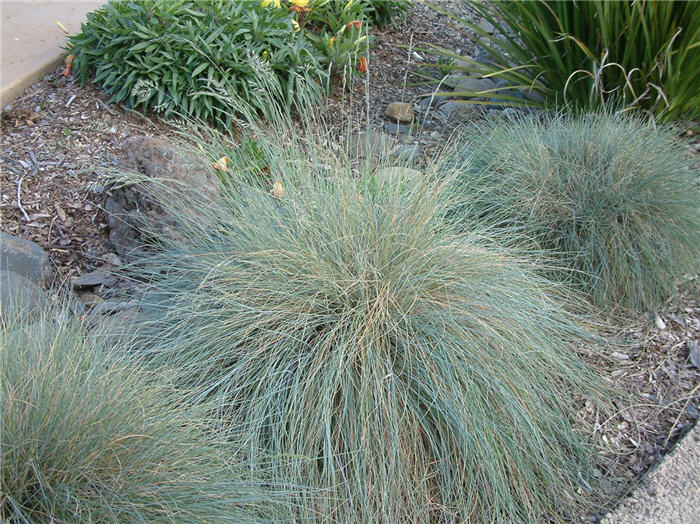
[(638, 54)]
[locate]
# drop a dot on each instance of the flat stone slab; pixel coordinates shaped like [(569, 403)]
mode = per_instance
[(31, 41), (670, 493)]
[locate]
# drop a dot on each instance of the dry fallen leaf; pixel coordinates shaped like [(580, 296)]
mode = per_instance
[(277, 189), (221, 164), (62, 214)]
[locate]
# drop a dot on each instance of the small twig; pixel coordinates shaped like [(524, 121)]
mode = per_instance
[(690, 397), (19, 199), (48, 237), (106, 107)]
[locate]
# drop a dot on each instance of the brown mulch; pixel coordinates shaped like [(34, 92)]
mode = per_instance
[(56, 139), (59, 135), (399, 69), (660, 381)]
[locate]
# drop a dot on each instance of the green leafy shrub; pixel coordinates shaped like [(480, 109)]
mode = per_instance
[(613, 198), (427, 377), (376, 12), (212, 60), (339, 28), (199, 59), (88, 436), (386, 12), (333, 14), (638, 54)]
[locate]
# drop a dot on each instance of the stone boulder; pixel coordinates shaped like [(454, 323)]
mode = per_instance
[(400, 112), (468, 86), (19, 295), (25, 258), (169, 175), (370, 144), (454, 113)]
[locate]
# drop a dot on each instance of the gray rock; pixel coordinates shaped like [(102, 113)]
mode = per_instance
[(659, 322), (484, 57), (173, 177), (453, 113), (400, 111), (694, 353), (530, 94), (395, 129), (464, 83), (431, 103), (25, 258), (486, 26), (370, 144), (94, 279), (19, 295), (406, 153)]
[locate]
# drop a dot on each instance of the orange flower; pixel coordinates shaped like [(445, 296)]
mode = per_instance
[(357, 24), (69, 65), (299, 9), (362, 65)]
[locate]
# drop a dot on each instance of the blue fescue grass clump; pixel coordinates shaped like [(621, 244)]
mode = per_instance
[(615, 200), (424, 376), (90, 436)]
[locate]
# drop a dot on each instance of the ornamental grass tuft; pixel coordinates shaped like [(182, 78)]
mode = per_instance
[(615, 200), (90, 436), (424, 376)]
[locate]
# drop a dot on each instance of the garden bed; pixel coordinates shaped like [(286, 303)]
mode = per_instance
[(58, 137)]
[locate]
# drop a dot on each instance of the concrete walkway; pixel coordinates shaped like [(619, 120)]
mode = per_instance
[(31, 40), (670, 493)]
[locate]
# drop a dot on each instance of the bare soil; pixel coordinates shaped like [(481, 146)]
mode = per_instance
[(59, 135)]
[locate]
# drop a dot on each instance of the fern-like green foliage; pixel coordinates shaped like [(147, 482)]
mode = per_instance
[(425, 376), (614, 199)]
